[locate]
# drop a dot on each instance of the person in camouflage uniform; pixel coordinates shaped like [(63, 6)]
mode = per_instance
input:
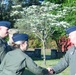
[(70, 57), (16, 61), (4, 27)]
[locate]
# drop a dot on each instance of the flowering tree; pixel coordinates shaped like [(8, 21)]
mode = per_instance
[(40, 20), (5, 9)]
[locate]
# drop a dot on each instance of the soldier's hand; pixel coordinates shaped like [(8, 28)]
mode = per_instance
[(45, 71), (51, 71)]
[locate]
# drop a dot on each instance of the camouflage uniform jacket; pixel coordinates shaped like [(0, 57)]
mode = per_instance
[(16, 61)]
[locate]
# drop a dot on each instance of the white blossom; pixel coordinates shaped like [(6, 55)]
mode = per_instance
[(16, 6)]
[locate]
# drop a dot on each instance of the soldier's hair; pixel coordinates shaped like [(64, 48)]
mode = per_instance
[(15, 45)]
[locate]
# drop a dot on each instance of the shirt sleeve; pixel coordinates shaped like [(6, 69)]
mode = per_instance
[(33, 67), (62, 64), (2, 50)]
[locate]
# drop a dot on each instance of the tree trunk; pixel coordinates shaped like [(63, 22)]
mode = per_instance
[(44, 52)]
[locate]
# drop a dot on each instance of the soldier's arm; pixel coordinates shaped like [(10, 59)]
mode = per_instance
[(33, 67), (62, 64), (2, 50)]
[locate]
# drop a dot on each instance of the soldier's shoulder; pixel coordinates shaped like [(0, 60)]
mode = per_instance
[(10, 53), (14, 52)]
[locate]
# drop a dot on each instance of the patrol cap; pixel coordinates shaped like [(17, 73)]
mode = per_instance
[(5, 23), (71, 29), (20, 37)]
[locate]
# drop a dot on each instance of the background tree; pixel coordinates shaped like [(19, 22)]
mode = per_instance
[(67, 2), (40, 21), (44, 20), (5, 9)]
